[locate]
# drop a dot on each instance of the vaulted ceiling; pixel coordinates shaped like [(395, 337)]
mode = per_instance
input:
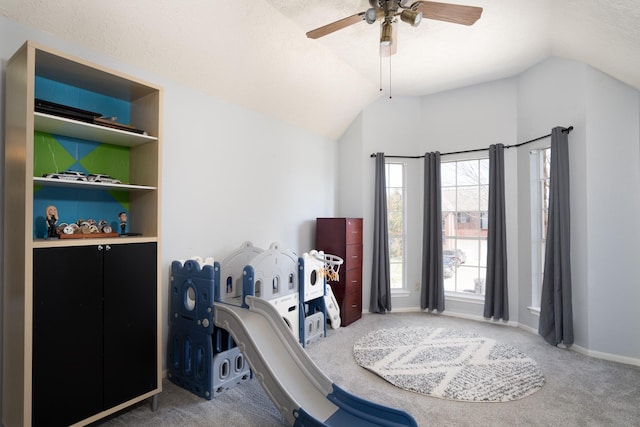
[(254, 53)]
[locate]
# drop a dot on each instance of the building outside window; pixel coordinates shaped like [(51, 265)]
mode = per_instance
[(465, 204), (396, 214), (540, 173)]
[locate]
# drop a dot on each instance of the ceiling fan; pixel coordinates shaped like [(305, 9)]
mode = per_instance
[(387, 11)]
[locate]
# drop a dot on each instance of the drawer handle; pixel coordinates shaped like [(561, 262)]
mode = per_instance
[(354, 305), (354, 281)]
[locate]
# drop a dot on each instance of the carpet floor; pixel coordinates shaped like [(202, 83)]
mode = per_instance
[(579, 390)]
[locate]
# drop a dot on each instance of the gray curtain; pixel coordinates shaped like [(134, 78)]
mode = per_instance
[(380, 277), (556, 313), (496, 298), (432, 293)]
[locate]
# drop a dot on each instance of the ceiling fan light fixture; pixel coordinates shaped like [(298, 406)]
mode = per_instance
[(372, 15), (386, 35), (411, 17)]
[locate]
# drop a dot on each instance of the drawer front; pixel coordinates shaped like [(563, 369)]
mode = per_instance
[(353, 257), (352, 280), (351, 309), (353, 231)]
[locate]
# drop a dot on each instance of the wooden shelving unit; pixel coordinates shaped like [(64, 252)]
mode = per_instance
[(28, 288)]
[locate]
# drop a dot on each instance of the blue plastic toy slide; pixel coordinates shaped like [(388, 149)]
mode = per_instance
[(300, 391)]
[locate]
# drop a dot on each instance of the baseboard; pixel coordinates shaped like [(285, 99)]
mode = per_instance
[(591, 353), (450, 314), (605, 356)]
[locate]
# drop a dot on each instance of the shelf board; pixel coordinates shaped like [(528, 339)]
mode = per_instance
[(53, 182), (99, 240), (77, 129)]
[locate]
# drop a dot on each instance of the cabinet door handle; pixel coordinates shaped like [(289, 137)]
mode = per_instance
[(108, 247), (100, 247)]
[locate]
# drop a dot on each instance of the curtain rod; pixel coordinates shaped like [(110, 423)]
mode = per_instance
[(565, 130)]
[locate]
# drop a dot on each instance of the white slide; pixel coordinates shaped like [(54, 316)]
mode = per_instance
[(300, 391)]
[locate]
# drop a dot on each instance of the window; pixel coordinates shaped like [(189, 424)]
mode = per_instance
[(395, 179), (465, 204), (540, 170)]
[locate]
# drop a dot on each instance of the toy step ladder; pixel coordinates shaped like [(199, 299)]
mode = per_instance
[(331, 272)]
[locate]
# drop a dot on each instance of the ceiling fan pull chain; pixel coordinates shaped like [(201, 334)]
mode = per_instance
[(380, 57), (390, 78)]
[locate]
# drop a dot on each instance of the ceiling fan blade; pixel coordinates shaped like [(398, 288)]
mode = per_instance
[(335, 26), (456, 13)]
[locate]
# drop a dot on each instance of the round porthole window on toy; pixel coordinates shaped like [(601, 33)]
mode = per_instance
[(313, 277), (190, 298)]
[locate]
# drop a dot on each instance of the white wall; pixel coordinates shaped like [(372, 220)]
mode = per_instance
[(613, 207), (229, 174), (605, 184)]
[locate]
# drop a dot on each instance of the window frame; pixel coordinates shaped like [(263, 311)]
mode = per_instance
[(459, 294), (539, 211), (403, 236)]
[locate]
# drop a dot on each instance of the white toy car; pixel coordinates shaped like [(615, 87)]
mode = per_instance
[(67, 175), (98, 177)]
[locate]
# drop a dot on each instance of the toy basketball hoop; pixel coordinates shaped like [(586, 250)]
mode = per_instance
[(332, 265)]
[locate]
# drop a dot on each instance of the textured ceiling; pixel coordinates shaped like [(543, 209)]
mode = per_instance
[(254, 53)]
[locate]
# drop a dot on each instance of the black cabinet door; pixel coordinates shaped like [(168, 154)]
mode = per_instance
[(130, 322), (67, 352)]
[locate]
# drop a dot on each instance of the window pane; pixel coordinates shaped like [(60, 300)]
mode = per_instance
[(396, 275), (394, 175), (396, 249), (395, 222), (465, 220), (482, 261), (448, 199), (468, 199), (448, 174), (468, 173), (484, 171), (449, 227), (540, 168), (484, 197), (394, 200)]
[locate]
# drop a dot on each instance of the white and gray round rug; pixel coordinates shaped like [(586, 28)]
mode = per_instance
[(449, 364)]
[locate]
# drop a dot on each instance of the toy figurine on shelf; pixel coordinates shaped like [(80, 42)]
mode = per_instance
[(52, 218), (122, 216)]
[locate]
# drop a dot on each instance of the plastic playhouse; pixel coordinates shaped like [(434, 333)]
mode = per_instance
[(252, 314)]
